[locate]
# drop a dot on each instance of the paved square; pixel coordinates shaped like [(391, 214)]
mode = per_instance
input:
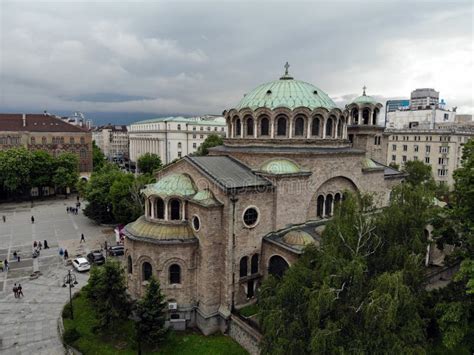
[(29, 324)]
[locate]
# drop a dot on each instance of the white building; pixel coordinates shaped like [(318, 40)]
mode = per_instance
[(441, 147), (172, 137), (425, 111), (112, 140)]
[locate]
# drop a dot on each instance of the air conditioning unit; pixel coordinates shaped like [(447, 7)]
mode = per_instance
[(173, 305)]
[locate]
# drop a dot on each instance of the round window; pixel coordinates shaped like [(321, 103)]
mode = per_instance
[(196, 223), (250, 217)]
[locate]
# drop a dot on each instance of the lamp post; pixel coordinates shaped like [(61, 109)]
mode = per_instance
[(70, 280)]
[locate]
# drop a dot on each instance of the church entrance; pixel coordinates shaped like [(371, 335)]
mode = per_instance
[(277, 266), (250, 291)]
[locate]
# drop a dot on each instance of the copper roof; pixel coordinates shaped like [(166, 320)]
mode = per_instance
[(35, 123)]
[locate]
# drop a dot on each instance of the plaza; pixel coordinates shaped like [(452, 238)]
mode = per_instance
[(29, 324)]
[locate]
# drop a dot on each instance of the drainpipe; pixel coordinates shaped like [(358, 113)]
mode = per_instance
[(233, 199)]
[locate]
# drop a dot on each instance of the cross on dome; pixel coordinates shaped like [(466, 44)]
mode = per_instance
[(286, 68), (364, 88)]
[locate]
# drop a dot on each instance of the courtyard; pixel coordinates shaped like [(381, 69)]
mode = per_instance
[(29, 324)]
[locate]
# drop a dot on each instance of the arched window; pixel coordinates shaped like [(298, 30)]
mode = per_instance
[(83, 140), (355, 116), (254, 264), (299, 126), (328, 206), (277, 266), (281, 126), (71, 140), (375, 117), (175, 274), (320, 206), (339, 128), (149, 207), (238, 127), (337, 198), (44, 140), (159, 208), (264, 126), (146, 271), (329, 125), (129, 264), (179, 144), (249, 126), (33, 140), (365, 116), (315, 126), (175, 210), (243, 266)]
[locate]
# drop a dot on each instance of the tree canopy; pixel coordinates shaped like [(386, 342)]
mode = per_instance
[(212, 140), (98, 158), (148, 163)]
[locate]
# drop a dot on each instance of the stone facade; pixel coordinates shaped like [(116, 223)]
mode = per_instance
[(274, 175)]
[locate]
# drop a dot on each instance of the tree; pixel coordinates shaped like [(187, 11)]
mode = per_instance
[(15, 167), (66, 173), (419, 173), (148, 163), (394, 165), (213, 140), (124, 208), (342, 297), (98, 158), (107, 292), (43, 164), (151, 312)]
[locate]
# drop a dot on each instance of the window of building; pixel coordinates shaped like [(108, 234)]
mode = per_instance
[(277, 266), (71, 140), (129, 264), (179, 145), (243, 268), (249, 126), (222, 129), (446, 117), (394, 147), (33, 140), (254, 264), (329, 125), (83, 140), (44, 140), (320, 206), (428, 149), (427, 160), (83, 153), (328, 205), (405, 147), (179, 154), (443, 161), (194, 136), (250, 217), (215, 129), (442, 172), (201, 128), (394, 157), (159, 208), (238, 127), (264, 126), (281, 126), (196, 223), (404, 158), (315, 126), (179, 127), (444, 150), (175, 210), (175, 274), (299, 126), (62, 140), (194, 128), (146, 271), (377, 140), (194, 144), (201, 136), (415, 148), (415, 158)]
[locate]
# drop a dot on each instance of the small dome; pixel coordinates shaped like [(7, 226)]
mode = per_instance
[(174, 184), (368, 163), (280, 166), (364, 99), (142, 228), (205, 197), (286, 92), (298, 238)]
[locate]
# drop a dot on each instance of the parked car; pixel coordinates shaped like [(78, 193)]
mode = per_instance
[(96, 257), (81, 264), (116, 250)]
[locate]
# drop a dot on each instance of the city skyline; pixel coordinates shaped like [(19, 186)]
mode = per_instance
[(154, 59)]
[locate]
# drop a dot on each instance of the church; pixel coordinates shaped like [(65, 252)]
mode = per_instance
[(215, 226)]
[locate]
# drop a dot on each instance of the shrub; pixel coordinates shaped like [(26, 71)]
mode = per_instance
[(71, 335), (67, 311)]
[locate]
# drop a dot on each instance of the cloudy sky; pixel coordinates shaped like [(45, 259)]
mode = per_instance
[(110, 58)]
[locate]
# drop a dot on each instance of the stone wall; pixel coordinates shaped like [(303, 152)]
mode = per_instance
[(248, 337)]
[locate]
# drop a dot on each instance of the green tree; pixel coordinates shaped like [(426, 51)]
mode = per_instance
[(107, 292), (66, 173), (151, 312), (419, 173), (98, 158), (212, 140), (148, 163), (394, 165), (43, 164), (16, 165), (124, 208)]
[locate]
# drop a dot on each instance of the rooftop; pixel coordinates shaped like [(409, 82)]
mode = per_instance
[(36, 123), (198, 120)]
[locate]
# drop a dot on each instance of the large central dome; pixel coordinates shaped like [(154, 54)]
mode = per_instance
[(286, 92)]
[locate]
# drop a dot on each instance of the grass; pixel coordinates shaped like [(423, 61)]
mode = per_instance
[(183, 343), (249, 310)]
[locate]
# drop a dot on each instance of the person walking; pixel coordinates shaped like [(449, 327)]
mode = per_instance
[(1, 266), (6, 264), (15, 290), (45, 244), (32, 219), (82, 238), (40, 246), (20, 291), (66, 254), (4, 218), (35, 244), (18, 257)]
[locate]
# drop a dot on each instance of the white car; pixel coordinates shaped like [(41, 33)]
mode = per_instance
[(81, 264)]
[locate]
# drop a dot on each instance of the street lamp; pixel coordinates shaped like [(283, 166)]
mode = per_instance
[(70, 279)]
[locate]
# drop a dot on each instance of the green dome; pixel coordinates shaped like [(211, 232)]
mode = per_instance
[(298, 238), (205, 197), (141, 228), (368, 163), (364, 99), (174, 184), (280, 166), (286, 92)]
